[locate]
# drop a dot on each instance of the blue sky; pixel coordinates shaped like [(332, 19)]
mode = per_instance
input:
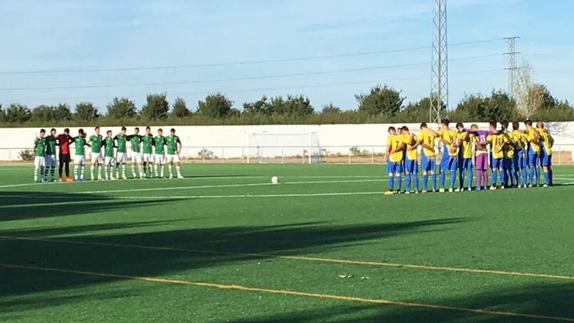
[(83, 35)]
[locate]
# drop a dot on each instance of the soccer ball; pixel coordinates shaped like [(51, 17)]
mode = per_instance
[(274, 180)]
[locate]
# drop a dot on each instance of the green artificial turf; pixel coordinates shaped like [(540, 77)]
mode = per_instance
[(325, 232)]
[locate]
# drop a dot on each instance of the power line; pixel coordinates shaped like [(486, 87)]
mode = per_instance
[(236, 63), (291, 87), (275, 76)]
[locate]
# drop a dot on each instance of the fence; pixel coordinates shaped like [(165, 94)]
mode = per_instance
[(343, 154)]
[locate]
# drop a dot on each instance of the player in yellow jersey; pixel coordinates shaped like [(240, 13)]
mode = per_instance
[(450, 154), (546, 152), (508, 150), (395, 144), (520, 151), (426, 140), (533, 154), (496, 141), (411, 160), (464, 157)]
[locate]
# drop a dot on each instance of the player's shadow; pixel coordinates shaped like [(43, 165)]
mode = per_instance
[(90, 248), (553, 299), (28, 205)]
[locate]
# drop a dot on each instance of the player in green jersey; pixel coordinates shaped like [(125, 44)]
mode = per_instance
[(147, 148), (80, 156), (159, 153), (109, 163), (40, 157), (121, 140), (96, 141), (50, 159), (173, 150), (135, 144)]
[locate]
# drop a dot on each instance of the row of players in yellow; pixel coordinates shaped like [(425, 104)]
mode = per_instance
[(510, 155)]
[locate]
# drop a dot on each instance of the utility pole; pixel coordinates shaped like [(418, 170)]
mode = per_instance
[(512, 68), (439, 73)]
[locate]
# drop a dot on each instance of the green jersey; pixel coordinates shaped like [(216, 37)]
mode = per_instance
[(135, 142), (80, 143), (109, 147), (147, 144), (159, 143), (171, 143), (96, 143), (40, 147), (50, 145), (121, 141)]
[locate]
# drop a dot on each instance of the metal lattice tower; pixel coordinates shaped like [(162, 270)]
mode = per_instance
[(439, 77), (512, 68)]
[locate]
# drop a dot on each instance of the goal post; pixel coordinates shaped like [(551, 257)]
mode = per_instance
[(267, 147)]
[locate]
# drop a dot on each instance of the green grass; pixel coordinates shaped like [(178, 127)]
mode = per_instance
[(206, 229)]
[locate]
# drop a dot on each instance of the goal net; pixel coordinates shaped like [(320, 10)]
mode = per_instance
[(267, 147)]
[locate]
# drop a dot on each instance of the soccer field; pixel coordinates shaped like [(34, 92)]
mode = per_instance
[(325, 245)]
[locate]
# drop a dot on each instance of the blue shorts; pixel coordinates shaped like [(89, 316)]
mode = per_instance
[(412, 166), (394, 167), (496, 163), (507, 163), (451, 164), (519, 161), (547, 160), (428, 164), (533, 159), (464, 163)]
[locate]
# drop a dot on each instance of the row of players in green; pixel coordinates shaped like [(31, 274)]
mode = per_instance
[(147, 153)]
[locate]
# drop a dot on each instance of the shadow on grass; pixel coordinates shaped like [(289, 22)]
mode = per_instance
[(555, 300), (30, 205), (288, 239)]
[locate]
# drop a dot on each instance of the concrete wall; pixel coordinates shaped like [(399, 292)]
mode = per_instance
[(232, 141)]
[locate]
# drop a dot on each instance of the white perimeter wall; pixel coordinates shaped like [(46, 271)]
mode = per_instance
[(232, 141)]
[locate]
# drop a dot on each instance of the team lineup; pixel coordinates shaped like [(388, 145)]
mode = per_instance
[(149, 155), (515, 157)]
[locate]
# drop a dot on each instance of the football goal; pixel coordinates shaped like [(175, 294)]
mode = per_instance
[(266, 147)]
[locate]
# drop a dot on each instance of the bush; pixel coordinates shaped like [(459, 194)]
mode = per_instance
[(26, 155)]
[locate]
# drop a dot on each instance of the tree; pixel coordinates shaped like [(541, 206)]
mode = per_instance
[(62, 112), (180, 109), (86, 111), (417, 111), (295, 106), (215, 106), (43, 113), (331, 109), (156, 107), (2, 114), (498, 106), (384, 101), (18, 113), (262, 106), (121, 108)]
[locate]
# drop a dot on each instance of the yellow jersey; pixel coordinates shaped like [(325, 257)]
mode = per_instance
[(393, 142), (547, 140), (450, 136), (534, 139), (519, 139), (496, 142), (410, 142), (508, 149), (427, 138), (466, 144)]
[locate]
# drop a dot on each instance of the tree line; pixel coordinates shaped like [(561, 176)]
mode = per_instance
[(381, 104)]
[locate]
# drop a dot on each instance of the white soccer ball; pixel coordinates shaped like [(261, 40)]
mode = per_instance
[(275, 180)]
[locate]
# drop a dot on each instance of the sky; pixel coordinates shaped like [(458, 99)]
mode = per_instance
[(329, 50)]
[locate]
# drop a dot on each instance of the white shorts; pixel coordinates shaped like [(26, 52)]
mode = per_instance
[(79, 159), (96, 157), (147, 158), (39, 161), (109, 161), (136, 157), (172, 158), (121, 158), (50, 161), (159, 159)]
